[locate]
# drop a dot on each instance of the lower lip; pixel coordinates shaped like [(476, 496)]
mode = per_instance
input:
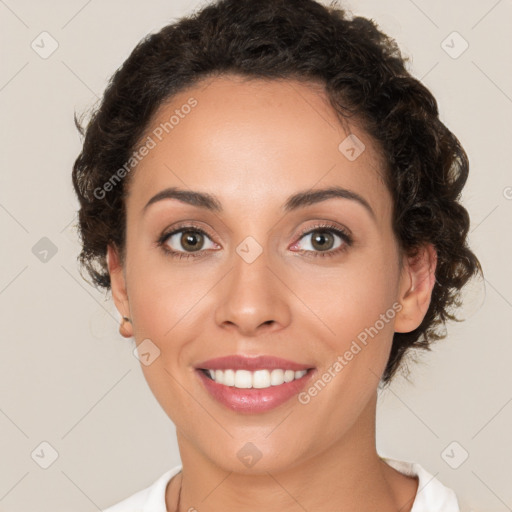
[(254, 400)]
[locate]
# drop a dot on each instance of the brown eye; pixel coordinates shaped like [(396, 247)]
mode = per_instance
[(192, 240), (322, 240), (186, 240)]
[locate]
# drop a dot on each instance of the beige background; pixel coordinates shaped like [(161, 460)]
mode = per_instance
[(67, 377)]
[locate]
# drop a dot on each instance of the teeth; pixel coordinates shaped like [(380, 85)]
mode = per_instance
[(260, 379)]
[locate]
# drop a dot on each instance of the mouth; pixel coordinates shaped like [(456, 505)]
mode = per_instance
[(253, 384)]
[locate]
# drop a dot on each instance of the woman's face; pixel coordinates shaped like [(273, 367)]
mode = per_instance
[(274, 274)]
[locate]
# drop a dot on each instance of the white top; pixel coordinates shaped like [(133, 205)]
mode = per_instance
[(432, 495)]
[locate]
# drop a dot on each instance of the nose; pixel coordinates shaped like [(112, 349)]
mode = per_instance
[(253, 298)]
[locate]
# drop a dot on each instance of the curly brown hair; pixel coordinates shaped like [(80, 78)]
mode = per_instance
[(365, 78)]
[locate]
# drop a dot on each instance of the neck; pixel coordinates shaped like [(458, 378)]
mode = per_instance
[(348, 475)]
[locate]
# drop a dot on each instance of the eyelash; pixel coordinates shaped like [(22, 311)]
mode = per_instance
[(343, 234)]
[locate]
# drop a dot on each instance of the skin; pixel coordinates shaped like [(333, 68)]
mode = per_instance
[(252, 144)]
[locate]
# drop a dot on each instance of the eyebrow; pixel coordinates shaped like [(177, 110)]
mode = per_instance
[(294, 202), (310, 197)]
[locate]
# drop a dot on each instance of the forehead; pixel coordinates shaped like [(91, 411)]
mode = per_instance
[(254, 141)]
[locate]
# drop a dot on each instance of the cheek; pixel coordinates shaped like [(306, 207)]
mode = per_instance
[(163, 294), (352, 295), (357, 310), (165, 304), (355, 304)]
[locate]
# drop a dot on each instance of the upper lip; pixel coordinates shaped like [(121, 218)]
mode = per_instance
[(239, 362)]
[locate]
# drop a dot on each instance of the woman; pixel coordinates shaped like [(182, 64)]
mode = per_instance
[(274, 204)]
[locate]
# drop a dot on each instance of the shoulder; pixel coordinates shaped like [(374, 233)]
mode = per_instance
[(151, 498), (432, 495)]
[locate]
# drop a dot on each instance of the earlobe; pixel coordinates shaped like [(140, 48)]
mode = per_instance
[(119, 291), (416, 285)]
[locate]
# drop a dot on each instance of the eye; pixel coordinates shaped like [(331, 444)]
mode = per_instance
[(185, 241), (192, 242), (323, 241)]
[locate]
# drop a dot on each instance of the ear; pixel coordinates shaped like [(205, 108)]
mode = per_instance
[(416, 284), (119, 292)]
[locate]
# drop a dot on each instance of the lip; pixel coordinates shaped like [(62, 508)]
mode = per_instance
[(240, 362), (253, 400)]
